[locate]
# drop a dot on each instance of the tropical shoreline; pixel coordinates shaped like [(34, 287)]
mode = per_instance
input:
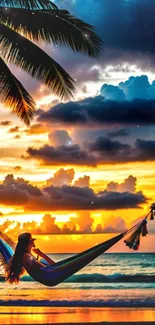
[(49, 315)]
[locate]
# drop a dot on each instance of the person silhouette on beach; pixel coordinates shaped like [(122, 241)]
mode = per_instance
[(23, 259)]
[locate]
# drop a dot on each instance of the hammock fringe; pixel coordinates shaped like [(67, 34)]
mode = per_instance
[(133, 241)]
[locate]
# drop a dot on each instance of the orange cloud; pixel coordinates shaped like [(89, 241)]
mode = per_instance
[(61, 177), (82, 181), (17, 168), (14, 129), (38, 128), (82, 224), (5, 123), (60, 138), (129, 185)]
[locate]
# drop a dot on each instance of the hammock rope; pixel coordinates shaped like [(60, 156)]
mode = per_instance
[(140, 229)]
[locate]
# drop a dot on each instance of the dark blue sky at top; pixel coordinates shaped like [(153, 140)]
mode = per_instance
[(127, 29), (126, 26)]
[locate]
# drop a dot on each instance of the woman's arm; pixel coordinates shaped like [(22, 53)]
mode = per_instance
[(30, 263), (43, 255)]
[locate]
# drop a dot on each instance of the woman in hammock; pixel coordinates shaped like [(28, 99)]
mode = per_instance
[(55, 273), (23, 258)]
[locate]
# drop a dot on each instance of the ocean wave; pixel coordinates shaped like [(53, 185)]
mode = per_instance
[(25, 278), (100, 278), (146, 265), (105, 264), (116, 277), (110, 286)]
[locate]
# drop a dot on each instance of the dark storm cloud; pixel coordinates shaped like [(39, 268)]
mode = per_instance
[(85, 198), (66, 155), (115, 152), (19, 192), (102, 150), (103, 144), (146, 149), (99, 111), (64, 112), (118, 133), (21, 184)]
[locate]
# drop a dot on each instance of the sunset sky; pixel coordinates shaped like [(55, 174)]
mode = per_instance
[(85, 169)]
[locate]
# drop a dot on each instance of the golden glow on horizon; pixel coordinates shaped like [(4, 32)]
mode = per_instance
[(37, 217), (61, 217), (77, 243)]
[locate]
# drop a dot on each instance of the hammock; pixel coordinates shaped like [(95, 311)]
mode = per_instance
[(51, 275)]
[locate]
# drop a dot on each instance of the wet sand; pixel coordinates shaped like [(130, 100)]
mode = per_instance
[(60, 315)]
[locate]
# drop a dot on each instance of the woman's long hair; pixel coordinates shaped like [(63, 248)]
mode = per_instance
[(15, 269)]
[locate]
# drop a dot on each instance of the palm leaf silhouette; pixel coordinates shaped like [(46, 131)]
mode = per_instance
[(28, 4), (23, 22), (15, 95), (18, 50), (56, 26)]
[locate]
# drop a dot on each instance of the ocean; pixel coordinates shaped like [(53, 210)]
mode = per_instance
[(111, 280)]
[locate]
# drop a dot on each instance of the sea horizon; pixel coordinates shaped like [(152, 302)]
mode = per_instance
[(111, 280)]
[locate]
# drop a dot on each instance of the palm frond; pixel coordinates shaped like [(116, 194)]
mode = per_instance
[(28, 4), (21, 52), (15, 96), (56, 26)]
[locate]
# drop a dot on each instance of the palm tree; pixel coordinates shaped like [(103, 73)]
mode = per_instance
[(23, 23)]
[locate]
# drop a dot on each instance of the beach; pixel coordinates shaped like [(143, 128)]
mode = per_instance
[(113, 288)]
